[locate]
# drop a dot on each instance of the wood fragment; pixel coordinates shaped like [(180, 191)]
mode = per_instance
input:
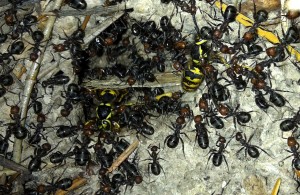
[(167, 79), (123, 156), (13, 166), (77, 183), (21, 72), (97, 10), (29, 83), (3, 179), (85, 22)]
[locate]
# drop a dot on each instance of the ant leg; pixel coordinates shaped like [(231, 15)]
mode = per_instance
[(209, 158), (185, 135), (149, 166), (234, 122), (249, 138), (145, 159), (240, 150), (263, 151), (225, 161), (26, 158), (182, 145), (55, 147)]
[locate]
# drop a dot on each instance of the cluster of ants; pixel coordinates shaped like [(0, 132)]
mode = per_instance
[(107, 112)]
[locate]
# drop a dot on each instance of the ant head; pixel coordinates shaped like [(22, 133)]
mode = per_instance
[(14, 109), (203, 104), (293, 14), (260, 84), (41, 188), (131, 80), (33, 56), (271, 51), (102, 172), (177, 95), (154, 148), (41, 118), (259, 68), (238, 136), (106, 188), (222, 139), (180, 120), (138, 179), (224, 49), (291, 142), (217, 34), (126, 42), (223, 110), (64, 112), (198, 119), (185, 111)]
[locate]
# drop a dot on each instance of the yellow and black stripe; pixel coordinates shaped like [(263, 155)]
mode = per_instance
[(192, 77)]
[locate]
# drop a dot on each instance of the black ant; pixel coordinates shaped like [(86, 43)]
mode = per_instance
[(239, 117), (19, 131), (217, 155), (18, 29), (277, 52), (60, 158), (201, 132), (252, 150), (59, 184), (15, 48), (104, 158), (229, 16), (291, 123), (37, 37), (259, 16), (35, 104), (154, 166), (39, 128), (294, 146), (173, 140), (237, 81), (58, 79), (82, 155), (39, 152), (4, 142)]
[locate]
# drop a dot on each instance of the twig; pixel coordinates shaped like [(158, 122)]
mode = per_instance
[(97, 10), (3, 179), (13, 166), (166, 79), (8, 172), (17, 168), (77, 183), (123, 156), (30, 81), (85, 22)]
